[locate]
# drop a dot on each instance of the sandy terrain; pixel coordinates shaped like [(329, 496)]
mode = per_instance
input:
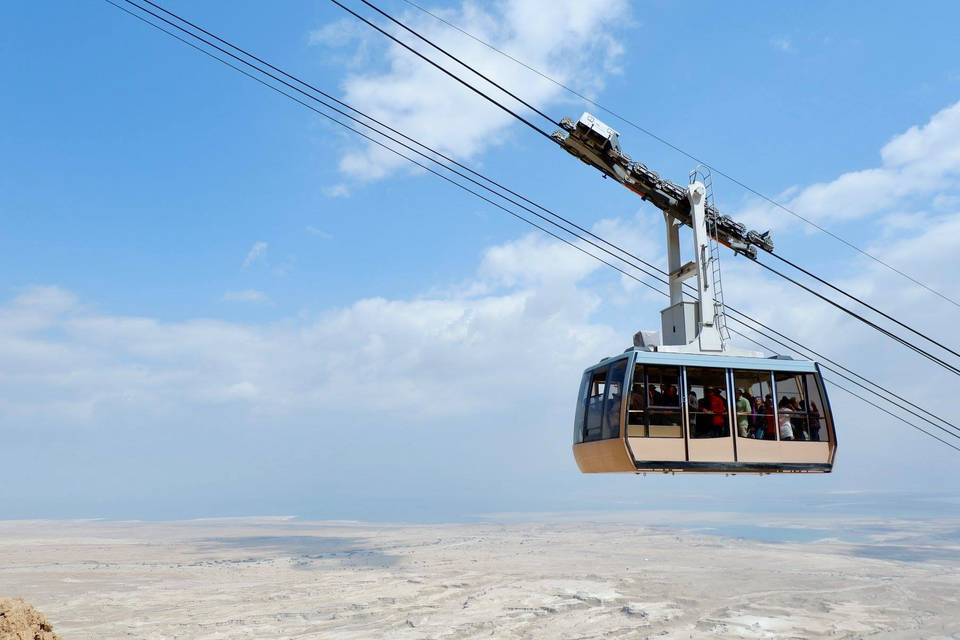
[(276, 578)]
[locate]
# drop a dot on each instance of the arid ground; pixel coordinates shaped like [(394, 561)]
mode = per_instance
[(575, 577)]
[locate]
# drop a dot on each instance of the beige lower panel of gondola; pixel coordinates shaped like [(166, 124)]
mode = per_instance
[(658, 449), (711, 449), (749, 450), (603, 456)]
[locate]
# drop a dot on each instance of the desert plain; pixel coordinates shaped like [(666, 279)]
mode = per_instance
[(588, 576)]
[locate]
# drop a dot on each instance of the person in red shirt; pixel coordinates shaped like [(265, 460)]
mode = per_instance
[(718, 407), (770, 433)]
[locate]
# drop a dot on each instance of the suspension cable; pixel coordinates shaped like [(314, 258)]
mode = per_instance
[(401, 143), (461, 62), (688, 155), (862, 302), (446, 178), (909, 345), (376, 142), (361, 113), (444, 70), (946, 365)]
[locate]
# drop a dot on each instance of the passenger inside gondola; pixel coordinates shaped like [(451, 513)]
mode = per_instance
[(814, 422), (707, 403), (759, 423), (671, 398), (717, 405), (769, 419), (743, 407), (784, 413)]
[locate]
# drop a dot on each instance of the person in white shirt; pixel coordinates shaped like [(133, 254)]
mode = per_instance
[(784, 412), (743, 414)]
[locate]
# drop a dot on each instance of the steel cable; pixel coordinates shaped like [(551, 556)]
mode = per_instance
[(446, 178), (688, 155), (932, 358)]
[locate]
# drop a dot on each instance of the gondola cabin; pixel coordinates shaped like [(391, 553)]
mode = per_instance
[(685, 399), (655, 411)]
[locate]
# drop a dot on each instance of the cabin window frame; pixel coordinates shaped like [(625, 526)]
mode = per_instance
[(580, 418), (726, 381), (604, 424), (582, 421), (825, 414), (647, 408), (760, 374), (643, 404), (588, 397), (821, 394)]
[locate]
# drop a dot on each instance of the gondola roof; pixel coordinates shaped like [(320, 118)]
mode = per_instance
[(724, 361)]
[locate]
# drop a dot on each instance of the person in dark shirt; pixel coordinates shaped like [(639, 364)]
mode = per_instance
[(672, 397), (703, 417), (759, 422), (814, 422)]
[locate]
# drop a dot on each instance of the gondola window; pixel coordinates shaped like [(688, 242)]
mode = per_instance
[(595, 398), (707, 402), (614, 402)]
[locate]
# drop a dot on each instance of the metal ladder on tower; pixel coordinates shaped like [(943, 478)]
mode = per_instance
[(703, 174)]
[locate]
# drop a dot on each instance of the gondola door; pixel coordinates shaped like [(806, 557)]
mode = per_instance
[(709, 432)]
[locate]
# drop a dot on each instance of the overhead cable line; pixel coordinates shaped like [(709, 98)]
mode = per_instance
[(946, 365), (374, 129), (389, 17), (862, 302), (516, 115), (936, 360), (346, 106), (446, 178), (689, 155), (370, 139), (433, 160), (873, 404)]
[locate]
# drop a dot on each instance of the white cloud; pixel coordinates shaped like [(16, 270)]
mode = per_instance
[(246, 295), (337, 191), (338, 33), (919, 167), (498, 357), (782, 43), (571, 41), (534, 314), (256, 252), (445, 354), (318, 232)]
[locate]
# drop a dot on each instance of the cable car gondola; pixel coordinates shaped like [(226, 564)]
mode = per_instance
[(647, 410), (688, 401)]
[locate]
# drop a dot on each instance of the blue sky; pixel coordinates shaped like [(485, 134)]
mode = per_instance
[(215, 303)]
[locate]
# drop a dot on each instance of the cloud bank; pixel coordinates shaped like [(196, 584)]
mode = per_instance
[(573, 42)]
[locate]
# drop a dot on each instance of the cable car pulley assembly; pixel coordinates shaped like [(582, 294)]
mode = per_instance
[(687, 400)]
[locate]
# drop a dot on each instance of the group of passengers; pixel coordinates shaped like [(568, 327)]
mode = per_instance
[(708, 414), (756, 418), (664, 395)]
